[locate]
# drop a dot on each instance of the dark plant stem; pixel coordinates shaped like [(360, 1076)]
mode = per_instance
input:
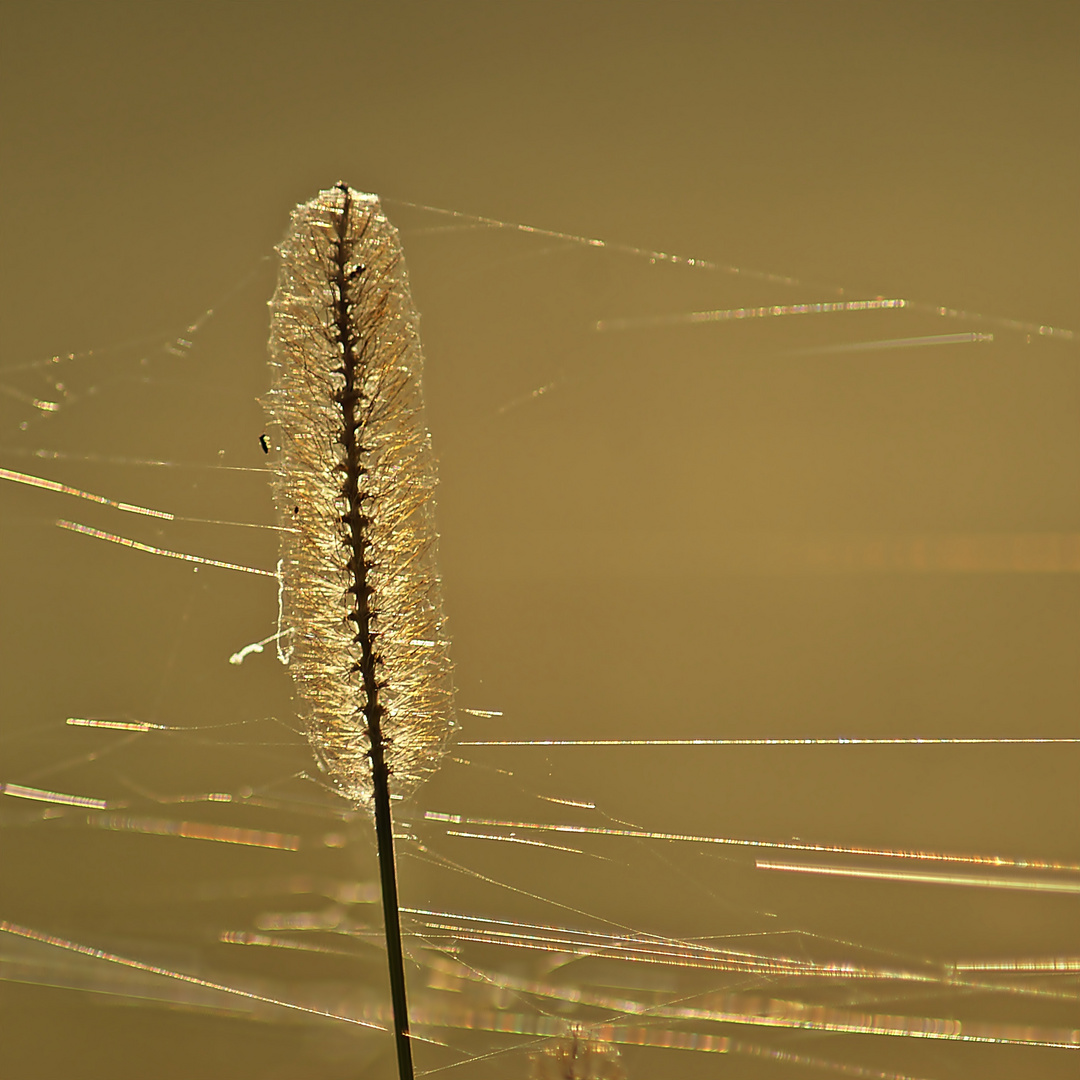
[(352, 348)]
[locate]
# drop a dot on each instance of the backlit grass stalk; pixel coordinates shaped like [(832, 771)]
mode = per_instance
[(360, 586)]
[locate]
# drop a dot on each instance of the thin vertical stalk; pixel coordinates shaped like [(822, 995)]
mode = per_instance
[(356, 523)]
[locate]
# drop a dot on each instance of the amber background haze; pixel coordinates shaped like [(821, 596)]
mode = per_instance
[(606, 545)]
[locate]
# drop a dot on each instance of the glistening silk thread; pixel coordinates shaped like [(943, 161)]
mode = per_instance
[(355, 485), (503, 982)]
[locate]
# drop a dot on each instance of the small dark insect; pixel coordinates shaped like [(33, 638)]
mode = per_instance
[(264, 444)]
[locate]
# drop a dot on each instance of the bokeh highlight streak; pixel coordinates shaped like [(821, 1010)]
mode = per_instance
[(743, 1009), (190, 830), (839, 741), (834, 849), (924, 878), (882, 344), (561, 942), (943, 311), (124, 541), (66, 489), (153, 969), (770, 311), (756, 1011), (19, 791)]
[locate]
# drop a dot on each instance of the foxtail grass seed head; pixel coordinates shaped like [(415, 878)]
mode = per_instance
[(355, 484)]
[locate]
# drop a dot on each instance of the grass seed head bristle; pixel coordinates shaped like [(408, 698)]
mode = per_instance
[(356, 482)]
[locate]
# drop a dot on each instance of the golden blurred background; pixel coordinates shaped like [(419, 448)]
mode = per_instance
[(847, 524)]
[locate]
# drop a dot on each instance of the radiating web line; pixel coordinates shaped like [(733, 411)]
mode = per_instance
[(1018, 325), (177, 343), (110, 459), (1025, 884), (881, 345), (131, 508), (753, 1010), (782, 845), (625, 1035), (439, 1013), (838, 741), (67, 489), (153, 969), (20, 791), (444, 932), (769, 311), (98, 534), (623, 249)]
